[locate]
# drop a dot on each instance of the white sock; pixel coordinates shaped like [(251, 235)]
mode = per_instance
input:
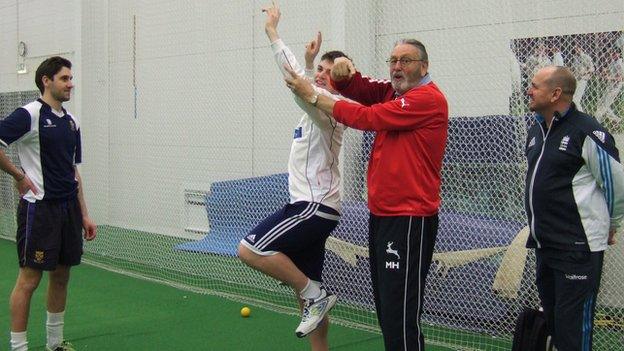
[(312, 290), (18, 341), (54, 327)]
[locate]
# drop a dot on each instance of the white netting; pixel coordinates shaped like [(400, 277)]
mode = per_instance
[(187, 127)]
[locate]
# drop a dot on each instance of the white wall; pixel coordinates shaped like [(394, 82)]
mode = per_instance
[(210, 101), (47, 30), (96, 103)]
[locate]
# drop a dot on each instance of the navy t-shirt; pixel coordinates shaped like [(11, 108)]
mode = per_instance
[(48, 146)]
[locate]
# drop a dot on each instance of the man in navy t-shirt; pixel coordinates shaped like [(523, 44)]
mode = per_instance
[(52, 212)]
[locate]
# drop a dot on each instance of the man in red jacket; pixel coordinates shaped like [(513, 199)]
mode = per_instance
[(409, 114)]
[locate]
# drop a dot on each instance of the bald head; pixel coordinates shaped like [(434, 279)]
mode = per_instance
[(560, 77), (551, 90)]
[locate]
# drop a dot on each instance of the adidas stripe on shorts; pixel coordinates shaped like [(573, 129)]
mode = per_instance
[(299, 231)]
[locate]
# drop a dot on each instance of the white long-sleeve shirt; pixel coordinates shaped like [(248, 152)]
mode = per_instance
[(313, 173)]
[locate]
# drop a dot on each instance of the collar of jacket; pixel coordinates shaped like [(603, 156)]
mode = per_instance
[(563, 115), (426, 79)]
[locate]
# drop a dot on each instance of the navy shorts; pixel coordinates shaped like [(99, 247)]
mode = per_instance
[(49, 233), (297, 230)]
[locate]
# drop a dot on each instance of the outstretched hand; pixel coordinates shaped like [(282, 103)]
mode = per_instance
[(313, 47), (272, 20)]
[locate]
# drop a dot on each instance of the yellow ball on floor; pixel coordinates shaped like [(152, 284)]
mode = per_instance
[(245, 312)]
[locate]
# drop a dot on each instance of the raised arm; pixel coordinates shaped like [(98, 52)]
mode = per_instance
[(421, 108), (283, 56), (352, 84), (412, 111), (312, 50), (270, 26), (288, 65)]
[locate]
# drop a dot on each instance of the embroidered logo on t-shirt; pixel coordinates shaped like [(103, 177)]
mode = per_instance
[(298, 132), (49, 124)]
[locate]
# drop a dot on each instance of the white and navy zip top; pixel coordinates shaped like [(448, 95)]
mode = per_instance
[(48, 146), (575, 183)]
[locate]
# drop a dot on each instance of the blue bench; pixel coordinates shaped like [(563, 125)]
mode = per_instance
[(234, 207), (233, 211)]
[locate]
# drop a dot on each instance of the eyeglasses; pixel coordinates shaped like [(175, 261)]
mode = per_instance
[(404, 61)]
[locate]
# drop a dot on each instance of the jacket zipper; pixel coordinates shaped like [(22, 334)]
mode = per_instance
[(539, 246)]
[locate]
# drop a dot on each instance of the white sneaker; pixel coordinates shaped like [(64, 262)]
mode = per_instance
[(314, 310)]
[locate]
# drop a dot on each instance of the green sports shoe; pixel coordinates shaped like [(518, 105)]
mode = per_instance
[(64, 346)]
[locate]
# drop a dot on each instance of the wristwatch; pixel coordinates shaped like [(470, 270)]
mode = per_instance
[(314, 99)]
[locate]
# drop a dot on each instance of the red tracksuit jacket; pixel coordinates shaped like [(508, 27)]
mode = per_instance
[(406, 159)]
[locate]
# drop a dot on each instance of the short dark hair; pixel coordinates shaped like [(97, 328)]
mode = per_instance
[(418, 45), (49, 68), (332, 55)]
